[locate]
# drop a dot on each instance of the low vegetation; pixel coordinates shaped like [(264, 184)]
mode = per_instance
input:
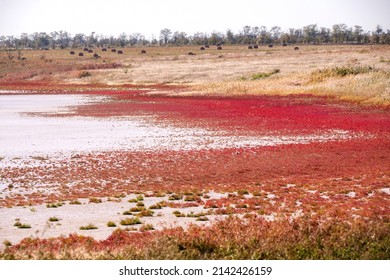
[(232, 238), (130, 221), (341, 71), (88, 227)]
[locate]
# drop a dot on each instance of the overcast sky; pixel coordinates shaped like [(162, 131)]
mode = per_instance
[(150, 16)]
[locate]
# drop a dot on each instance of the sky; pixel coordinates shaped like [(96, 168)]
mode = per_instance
[(150, 16)]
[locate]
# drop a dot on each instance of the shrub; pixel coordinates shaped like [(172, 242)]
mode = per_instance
[(137, 209), (140, 204), (155, 206), (53, 219), (24, 226), (175, 197), (88, 227), (54, 205), (323, 74), (146, 227), (262, 75), (84, 74), (130, 221), (242, 192), (95, 200), (75, 202), (146, 213), (111, 224)]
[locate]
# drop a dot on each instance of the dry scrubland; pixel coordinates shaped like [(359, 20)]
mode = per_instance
[(355, 73), (319, 200)]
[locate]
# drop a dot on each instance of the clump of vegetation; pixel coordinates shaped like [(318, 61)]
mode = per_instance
[(7, 243), (137, 209), (127, 212), (178, 214), (146, 227), (242, 192), (202, 219), (331, 237), (18, 224), (155, 206), (88, 227), (262, 75), (132, 200), (146, 213), (140, 204), (54, 205), (130, 221), (111, 224), (95, 200), (84, 74), (75, 202), (175, 197), (53, 219), (342, 71)]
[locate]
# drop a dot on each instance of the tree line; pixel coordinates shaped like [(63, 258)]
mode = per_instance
[(310, 34)]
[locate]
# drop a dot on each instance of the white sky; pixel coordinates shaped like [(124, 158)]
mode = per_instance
[(150, 16)]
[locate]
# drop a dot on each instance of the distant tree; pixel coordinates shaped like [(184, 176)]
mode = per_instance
[(310, 33), (377, 34), (230, 38), (122, 39), (79, 40), (165, 35), (275, 34), (357, 34)]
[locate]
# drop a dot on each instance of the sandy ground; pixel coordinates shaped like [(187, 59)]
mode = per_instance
[(71, 217)]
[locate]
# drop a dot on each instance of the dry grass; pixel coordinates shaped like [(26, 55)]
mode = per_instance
[(229, 71)]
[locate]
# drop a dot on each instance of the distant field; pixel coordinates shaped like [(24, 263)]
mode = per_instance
[(232, 70)]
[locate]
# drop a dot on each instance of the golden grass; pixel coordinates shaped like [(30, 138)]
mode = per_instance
[(213, 71)]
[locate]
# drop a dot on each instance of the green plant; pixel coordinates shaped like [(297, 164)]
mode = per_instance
[(132, 200), (75, 202), (140, 203), (242, 192), (175, 197), (146, 227), (54, 205), (146, 213), (130, 221), (84, 74), (53, 219), (24, 226), (340, 71), (7, 243), (111, 224), (137, 209), (155, 206), (88, 227), (95, 200), (263, 75)]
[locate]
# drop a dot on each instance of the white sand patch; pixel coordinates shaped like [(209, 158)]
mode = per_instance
[(72, 217), (385, 190)]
